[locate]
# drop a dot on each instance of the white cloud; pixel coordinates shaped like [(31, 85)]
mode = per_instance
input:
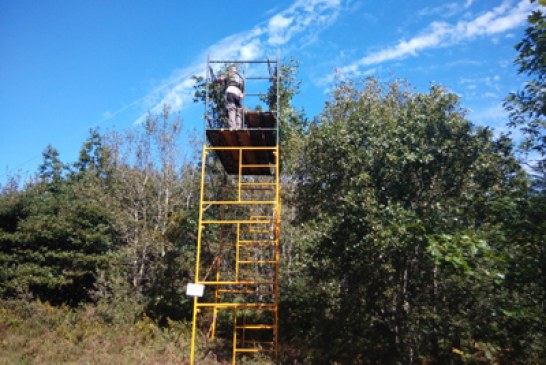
[(278, 29), (491, 82), (446, 9), (302, 15), (441, 34), (490, 95), (252, 50), (492, 115), (308, 16)]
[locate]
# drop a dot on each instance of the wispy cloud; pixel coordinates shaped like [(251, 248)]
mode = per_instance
[(309, 16), (490, 81), (446, 9), (493, 115), (441, 34)]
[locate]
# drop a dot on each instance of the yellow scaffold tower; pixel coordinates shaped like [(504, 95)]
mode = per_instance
[(235, 291)]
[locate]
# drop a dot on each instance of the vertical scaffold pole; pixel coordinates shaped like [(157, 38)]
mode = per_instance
[(198, 254), (242, 267)]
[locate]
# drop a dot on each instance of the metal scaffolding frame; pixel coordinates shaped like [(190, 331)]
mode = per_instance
[(237, 254)]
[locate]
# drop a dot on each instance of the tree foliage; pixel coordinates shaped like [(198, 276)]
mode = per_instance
[(398, 198), (53, 237), (527, 107), (409, 235)]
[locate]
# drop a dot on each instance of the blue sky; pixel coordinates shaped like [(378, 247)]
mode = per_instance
[(69, 65)]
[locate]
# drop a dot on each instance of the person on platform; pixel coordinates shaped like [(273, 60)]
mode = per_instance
[(234, 94)]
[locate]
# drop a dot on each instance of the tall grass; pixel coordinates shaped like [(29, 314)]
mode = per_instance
[(38, 333)]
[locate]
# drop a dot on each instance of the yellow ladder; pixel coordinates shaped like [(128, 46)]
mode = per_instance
[(237, 254)]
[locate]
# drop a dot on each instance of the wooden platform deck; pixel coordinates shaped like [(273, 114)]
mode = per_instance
[(260, 132)]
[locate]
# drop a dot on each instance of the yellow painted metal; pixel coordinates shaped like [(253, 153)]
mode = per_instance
[(258, 184), (251, 350), (234, 357), (253, 306), (246, 148), (237, 251), (240, 179), (258, 165), (242, 202), (245, 265), (257, 261), (234, 221), (257, 326), (235, 282), (243, 291), (198, 256)]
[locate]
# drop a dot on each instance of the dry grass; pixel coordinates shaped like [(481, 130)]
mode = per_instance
[(37, 333)]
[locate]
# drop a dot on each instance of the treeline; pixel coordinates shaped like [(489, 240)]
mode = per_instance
[(416, 236), (116, 227), (409, 235)]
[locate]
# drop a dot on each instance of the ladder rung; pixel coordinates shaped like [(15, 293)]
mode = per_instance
[(257, 327), (254, 165), (250, 306), (257, 241), (235, 202), (250, 245), (233, 282), (252, 350), (258, 183), (243, 148), (258, 262), (234, 221), (243, 291)]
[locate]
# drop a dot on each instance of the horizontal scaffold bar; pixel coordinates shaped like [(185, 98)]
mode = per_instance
[(235, 222), (256, 94), (254, 165), (235, 202), (256, 245), (234, 282), (246, 291), (259, 183), (258, 230), (262, 306), (250, 350), (243, 129), (256, 327), (243, 61), (250, 242), (258, 262), (258, 78), (245, 148)]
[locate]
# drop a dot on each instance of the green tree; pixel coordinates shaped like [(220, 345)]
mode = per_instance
[(395, 195), (152, 190), (95, 158), (528, 107), (51, 169), (53, 239)]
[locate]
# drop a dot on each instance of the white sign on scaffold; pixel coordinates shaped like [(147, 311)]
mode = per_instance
[(195, 290)]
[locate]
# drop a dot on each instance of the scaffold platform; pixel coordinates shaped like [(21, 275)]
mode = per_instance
[(238, 238)]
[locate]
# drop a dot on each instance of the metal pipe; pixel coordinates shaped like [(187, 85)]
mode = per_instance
[(242, 61)]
